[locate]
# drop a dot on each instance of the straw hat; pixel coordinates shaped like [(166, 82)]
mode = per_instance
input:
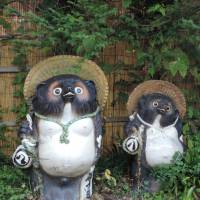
[(157, 86), (67, 64)]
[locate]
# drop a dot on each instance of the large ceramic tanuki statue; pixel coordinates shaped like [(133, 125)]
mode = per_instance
[(61, 137), (154, 130)]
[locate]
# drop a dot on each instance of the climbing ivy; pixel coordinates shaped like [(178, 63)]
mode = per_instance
[(165, 35), (22, 108), (62, 27), (70, 27), (2, 131)]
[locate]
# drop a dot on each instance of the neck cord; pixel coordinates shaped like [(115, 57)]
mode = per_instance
[(150, 125), (65, 127)]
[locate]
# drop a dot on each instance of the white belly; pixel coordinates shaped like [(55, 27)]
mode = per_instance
[(161, 146), (72, 159)]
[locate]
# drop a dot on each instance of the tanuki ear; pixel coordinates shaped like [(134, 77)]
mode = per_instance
[(39, 93), (40, 85), (91, 85), (141, 102)]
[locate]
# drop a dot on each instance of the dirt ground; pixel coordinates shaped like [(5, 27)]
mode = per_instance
[(107, 196)]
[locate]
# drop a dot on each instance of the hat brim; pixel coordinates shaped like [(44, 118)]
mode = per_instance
[(157, 86), (67, 64)]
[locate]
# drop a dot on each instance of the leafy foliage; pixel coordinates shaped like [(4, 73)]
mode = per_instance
[(13, 184), (110, 174), (183, 176), (22, 108), (165, 35), (79, 27), (3, 129), (181, 179)]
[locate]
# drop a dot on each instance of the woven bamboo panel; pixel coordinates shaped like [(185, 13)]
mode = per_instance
[(114, 109), (8, 101), (6, 91), (9, 144), (110, 55), (117, 53)]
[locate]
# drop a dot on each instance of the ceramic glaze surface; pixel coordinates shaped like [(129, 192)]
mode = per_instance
[(161, 145), (72, 159)]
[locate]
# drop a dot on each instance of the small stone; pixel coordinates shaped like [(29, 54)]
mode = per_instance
[(96, 196)]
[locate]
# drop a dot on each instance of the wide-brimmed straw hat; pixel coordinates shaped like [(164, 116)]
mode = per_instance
[(66, 64), (157, 86)]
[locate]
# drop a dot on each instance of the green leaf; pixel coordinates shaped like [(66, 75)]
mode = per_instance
[(195, 73), (4, 23), (151, 71), (173, 67), (141, 56), (189, 193), (159, 8), (190, 112), (189, 24), (190, 144), (186, 128), (126, 3), (180, 64), (89, 42), (107, 68)]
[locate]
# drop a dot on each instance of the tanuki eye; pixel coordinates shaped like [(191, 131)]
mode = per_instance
[(57, 91), (168, 108), (78, 90), (155, 104)]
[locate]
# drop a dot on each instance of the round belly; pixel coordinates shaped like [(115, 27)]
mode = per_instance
[(161, 150), (69, 160)]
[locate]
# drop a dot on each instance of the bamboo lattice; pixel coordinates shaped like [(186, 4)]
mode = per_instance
[(114, 54)]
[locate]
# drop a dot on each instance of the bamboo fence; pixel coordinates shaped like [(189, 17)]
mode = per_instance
[(114, 113)]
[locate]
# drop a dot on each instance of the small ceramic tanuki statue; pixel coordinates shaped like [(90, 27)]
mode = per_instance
[(154, 130), (61, 138)]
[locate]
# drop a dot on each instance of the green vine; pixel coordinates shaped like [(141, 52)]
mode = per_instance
[(21, 109), (3, 129), (79, 27), (165, 36)]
